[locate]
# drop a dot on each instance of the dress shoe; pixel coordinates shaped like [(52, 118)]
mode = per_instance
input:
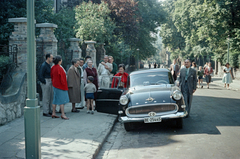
[(47, 115)]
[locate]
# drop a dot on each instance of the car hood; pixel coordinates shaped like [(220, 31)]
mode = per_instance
[(151, 95)]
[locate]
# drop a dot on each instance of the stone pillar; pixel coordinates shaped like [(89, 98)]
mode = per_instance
[(91, 51), (46, 42), (74, 47), (100, 52), (216, 67), (19, 37)]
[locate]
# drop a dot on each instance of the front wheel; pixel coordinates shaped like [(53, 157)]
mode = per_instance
[(179, 123), (129, 126)]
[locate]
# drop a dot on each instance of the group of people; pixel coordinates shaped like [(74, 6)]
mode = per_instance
[(78, 85), (189, 76)]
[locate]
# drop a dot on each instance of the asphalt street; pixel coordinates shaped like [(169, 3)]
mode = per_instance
[(211, 132)]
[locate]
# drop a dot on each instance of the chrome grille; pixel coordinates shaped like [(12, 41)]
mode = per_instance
[(140, 110)]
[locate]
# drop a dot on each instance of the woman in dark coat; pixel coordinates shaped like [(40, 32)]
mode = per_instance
[(90, 71)]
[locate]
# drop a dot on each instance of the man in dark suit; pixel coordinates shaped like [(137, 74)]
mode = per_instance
[(174, 68), (188, 84)]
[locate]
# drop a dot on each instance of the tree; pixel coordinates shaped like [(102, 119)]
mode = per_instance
[(93, 22)]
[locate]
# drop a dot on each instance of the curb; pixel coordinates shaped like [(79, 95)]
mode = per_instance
[(104, 140)]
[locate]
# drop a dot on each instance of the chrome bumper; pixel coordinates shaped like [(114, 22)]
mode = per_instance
[(126, 119)]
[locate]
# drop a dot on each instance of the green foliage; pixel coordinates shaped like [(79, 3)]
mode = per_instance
[(93, 22), (4, 64)]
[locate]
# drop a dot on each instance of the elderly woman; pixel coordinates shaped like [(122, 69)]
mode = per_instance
[(74, 83), (227, 78), (90, 71), (123, 75), (207, 72), (60, 87)]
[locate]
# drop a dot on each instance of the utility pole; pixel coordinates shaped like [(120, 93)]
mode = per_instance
[(228, 51), (31, 111)]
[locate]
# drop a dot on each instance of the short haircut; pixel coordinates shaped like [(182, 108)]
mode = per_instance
[(121, 65), (105, 56), (110, 57), (56, 59), (74, 61), (81, 59), (48, 56), (87, 57), (187, 60), (91, 78)]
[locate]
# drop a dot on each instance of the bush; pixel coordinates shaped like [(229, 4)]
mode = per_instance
[(4, 64)]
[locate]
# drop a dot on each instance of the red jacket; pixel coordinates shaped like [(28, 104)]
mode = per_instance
[(59, 79), (123, 79), (207, 72)]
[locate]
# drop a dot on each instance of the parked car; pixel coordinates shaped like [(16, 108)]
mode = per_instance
[(151, 96)]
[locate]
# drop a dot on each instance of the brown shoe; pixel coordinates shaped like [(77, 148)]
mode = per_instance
[(64, 117), (54, 116)]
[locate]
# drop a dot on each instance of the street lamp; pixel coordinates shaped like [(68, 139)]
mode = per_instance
[(228, 51), (31, 111), (138, 59)]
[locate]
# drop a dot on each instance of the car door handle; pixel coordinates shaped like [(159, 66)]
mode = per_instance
[(99, 91)]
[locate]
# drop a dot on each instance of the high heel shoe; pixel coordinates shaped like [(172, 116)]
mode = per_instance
[(54, 116), (64, 117)]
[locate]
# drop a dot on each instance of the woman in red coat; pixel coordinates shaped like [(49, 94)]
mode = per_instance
[(123, 75), (60, 87)]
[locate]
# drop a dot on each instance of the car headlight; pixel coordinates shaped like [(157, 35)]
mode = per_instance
[(177, 95), (123, 100)]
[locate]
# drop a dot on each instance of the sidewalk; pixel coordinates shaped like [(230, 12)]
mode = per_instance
[(233, 86), (81, 137)]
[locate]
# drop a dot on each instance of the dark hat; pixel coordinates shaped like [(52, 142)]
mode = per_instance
[(87, 57), (90, 78)]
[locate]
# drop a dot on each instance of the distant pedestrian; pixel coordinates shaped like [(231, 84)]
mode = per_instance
[(149, 65), (227, 77), (74, 84), (104, 72), (188, 84), (46, 85), (114, 65), (90, 89), (86, 64), (174, 68), (90, 71), (183, 65), (200, 77), (206, 65), (123, 75), (155, 65), (208, 73), (60, 87)]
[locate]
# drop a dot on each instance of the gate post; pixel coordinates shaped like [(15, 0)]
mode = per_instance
[(91, 51), (74, 48)]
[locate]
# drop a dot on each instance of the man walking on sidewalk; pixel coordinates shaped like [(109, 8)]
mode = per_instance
[(188, 84), (174, 68), (46, 85)]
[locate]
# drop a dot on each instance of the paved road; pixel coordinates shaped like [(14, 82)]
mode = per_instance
[(211, 132)]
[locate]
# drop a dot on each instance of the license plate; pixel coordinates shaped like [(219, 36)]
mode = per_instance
[(152, 120)]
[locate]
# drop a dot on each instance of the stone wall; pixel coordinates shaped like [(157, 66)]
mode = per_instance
[(12, 110)]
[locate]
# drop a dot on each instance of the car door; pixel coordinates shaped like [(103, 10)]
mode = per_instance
[(108, 98)]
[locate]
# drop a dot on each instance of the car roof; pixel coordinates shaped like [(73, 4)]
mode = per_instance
[(150, 70)]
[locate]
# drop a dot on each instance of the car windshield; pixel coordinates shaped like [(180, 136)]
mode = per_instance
[(151, 78)]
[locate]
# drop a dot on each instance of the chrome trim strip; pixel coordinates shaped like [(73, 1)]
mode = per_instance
[(146, 115), (107, 100), (126, 119)]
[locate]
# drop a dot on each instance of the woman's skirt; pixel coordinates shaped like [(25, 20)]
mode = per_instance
[(60, 96), (227, 78), (208, 78)]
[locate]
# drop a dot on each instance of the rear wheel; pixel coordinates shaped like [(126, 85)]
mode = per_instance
[(179, 123), (129, 126)]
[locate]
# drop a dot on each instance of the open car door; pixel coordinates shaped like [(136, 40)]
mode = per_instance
[(108, 98)]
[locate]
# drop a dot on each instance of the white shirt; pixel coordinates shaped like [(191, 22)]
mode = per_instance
[(81, 67), (102, 70)]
